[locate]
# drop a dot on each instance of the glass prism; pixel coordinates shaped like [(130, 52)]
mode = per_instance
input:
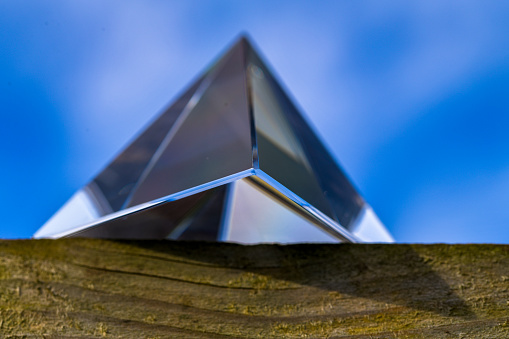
[(232, 159)]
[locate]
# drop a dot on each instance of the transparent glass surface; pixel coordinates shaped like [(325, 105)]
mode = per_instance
[(115, 183), (214, 140), (340, 193), (280, 153), (204, 224), (162, 220), (368, 228), (80, 209), (257, 215), (234, 118)]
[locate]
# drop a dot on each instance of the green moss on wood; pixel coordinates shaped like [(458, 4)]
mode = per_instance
[(160, 289)]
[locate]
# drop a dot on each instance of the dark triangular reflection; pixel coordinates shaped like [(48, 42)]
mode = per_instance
[(214, 141), (152, 223), (116, 181), (206, 222), (344, 199), (335, 187), (280, 153)]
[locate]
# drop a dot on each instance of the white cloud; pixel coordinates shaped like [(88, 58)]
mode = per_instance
[(129, 76)]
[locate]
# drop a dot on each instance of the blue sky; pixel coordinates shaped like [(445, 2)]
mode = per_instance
[(411, 97)]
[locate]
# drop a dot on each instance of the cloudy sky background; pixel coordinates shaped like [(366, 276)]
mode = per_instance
[(411, 97)]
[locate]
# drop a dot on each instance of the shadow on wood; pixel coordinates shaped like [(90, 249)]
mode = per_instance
[(391, 274), (147, 289)]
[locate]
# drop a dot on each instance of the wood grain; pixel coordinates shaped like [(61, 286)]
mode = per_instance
[(164, 289)]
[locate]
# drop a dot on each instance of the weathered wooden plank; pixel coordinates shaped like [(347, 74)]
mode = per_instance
[(159, 289)]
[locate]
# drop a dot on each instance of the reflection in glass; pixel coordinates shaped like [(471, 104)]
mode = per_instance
[(161, 221), (279, 151), (231, 160), (258, 216), (214, 140), (343, 202)]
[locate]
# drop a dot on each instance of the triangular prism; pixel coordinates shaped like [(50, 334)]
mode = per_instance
[(231, 159)]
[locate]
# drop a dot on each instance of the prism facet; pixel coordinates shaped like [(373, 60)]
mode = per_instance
[(231, 159)]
